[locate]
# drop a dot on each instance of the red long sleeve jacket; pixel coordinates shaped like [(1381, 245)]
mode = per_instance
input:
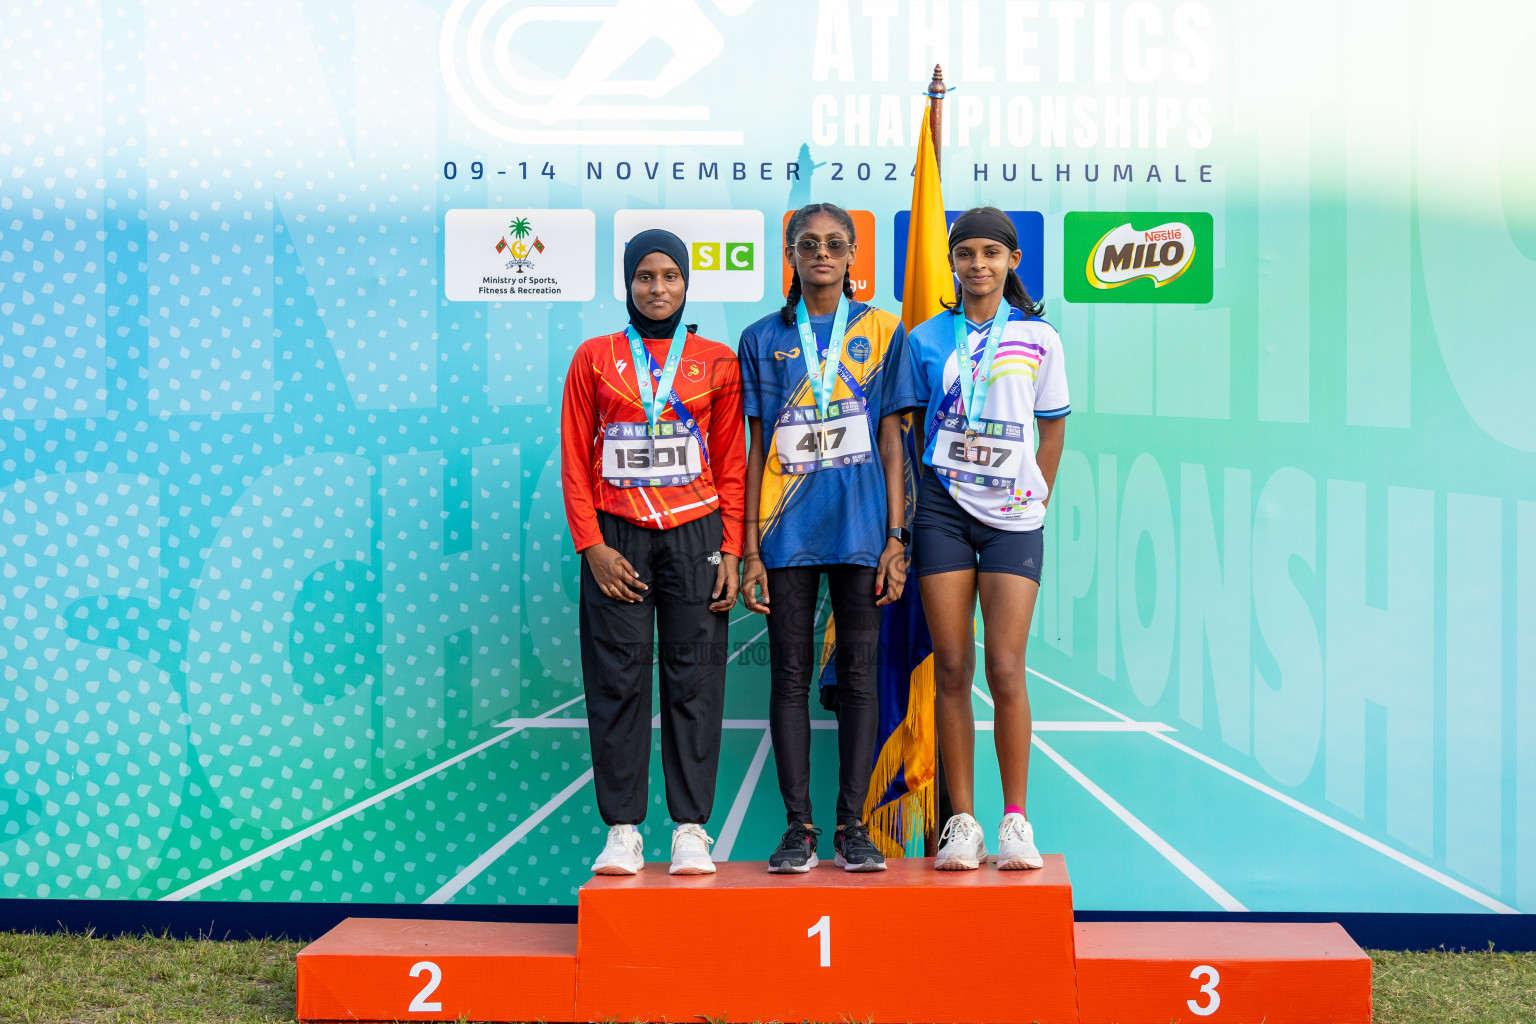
[(601, 392)]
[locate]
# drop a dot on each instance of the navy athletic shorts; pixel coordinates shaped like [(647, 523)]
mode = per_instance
[(947, 538)]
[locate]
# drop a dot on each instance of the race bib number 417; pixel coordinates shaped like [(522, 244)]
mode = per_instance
[(806, 444)]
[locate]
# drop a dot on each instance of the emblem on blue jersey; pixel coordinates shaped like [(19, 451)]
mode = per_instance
[(858, 349)]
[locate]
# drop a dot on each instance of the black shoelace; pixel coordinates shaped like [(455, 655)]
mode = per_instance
[(798, 835), (856, 840)]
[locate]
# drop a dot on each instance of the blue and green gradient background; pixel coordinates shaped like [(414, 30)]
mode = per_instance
[(282, 545)]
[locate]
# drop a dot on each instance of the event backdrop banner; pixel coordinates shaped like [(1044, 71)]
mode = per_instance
[(289, 290)]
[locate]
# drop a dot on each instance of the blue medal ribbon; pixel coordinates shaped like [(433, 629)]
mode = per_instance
[(975, 382), (654, 401), (822, 375)]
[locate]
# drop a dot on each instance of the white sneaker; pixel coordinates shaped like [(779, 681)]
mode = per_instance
[(690, 850), (623, 854), (1016, 844), (961, 846)]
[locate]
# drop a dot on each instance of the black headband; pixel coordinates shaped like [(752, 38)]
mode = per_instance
[(985, 222)]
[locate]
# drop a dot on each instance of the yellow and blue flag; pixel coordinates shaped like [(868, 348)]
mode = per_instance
[(900, 805)]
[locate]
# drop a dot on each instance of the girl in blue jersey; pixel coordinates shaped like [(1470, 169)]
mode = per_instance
[(824, 383), (990, 374)]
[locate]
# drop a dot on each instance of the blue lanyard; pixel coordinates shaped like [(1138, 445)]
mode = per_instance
[(653, 402), (822, 378), (975, 383)]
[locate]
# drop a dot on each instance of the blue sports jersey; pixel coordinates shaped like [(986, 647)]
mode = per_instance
[(824, 505)]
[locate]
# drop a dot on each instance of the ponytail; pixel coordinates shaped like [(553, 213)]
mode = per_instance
[(1017, 296)]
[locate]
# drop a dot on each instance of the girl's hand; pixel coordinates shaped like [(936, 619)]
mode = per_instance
[(726, 583), (754, 579), (615, 577), (891, 576)]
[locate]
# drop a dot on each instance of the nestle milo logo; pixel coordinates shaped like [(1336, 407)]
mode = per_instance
[(1137, 257)]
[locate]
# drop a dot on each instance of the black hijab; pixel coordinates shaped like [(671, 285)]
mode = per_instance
[(639, 247)]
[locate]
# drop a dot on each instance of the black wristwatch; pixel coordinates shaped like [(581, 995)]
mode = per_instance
[(900, 533)]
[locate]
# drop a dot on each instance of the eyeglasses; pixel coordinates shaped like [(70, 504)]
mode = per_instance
[(836, 247)]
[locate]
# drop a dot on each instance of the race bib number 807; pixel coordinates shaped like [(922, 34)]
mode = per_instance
[(990, 458)]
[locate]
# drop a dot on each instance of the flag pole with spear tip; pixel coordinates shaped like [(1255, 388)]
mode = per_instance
[(936, 93)]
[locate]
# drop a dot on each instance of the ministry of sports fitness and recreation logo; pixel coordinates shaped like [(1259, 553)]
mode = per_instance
[(547, 74), (520, 249), (1137, 257), (519, 255)]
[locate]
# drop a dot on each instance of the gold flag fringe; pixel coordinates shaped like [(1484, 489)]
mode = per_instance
[(910, 746)]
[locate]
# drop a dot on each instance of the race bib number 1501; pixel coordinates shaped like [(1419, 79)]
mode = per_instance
[(633, 458)]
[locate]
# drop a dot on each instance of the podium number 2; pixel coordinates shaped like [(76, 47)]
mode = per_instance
[(824, 929), (1212, 979), (420, 1004)]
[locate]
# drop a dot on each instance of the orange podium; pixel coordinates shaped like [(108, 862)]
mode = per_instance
[(907, 944), (378, 969), (1156, 973)]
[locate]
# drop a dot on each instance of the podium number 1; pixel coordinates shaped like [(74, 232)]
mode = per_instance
[(1212, 979), (824, 929), (420, 1004)]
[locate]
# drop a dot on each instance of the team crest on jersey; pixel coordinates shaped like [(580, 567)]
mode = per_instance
[(692, 369), (858, 349)]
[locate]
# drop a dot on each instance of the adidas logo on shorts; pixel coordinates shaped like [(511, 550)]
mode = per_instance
[(1029, 563)]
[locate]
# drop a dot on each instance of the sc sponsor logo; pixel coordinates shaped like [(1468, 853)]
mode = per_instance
[(708, 256)]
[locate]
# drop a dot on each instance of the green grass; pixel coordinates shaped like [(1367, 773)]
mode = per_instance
[(78, 978), (57, 978), (1489, 988)]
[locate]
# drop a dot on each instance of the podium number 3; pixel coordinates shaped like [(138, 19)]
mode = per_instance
[(1212, 979), (420, 1004), (824, 929)]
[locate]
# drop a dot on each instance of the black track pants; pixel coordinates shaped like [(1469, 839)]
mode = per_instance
[(793, 656), (617, 649)]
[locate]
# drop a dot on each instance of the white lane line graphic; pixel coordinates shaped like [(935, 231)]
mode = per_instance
[(1125, 725), (1296, 805), (743, 618), (732, 823), (732, 827), (345, 813), (744, 646), (830, 724), (1067, 726), (507, 841), (1207, 884)]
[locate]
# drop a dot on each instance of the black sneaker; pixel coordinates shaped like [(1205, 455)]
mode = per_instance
[(855, 850), (796, 853)]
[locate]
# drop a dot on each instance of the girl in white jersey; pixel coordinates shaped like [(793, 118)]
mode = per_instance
[(990, 374)]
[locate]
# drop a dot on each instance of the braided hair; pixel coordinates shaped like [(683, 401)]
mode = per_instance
[(791, 235)]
